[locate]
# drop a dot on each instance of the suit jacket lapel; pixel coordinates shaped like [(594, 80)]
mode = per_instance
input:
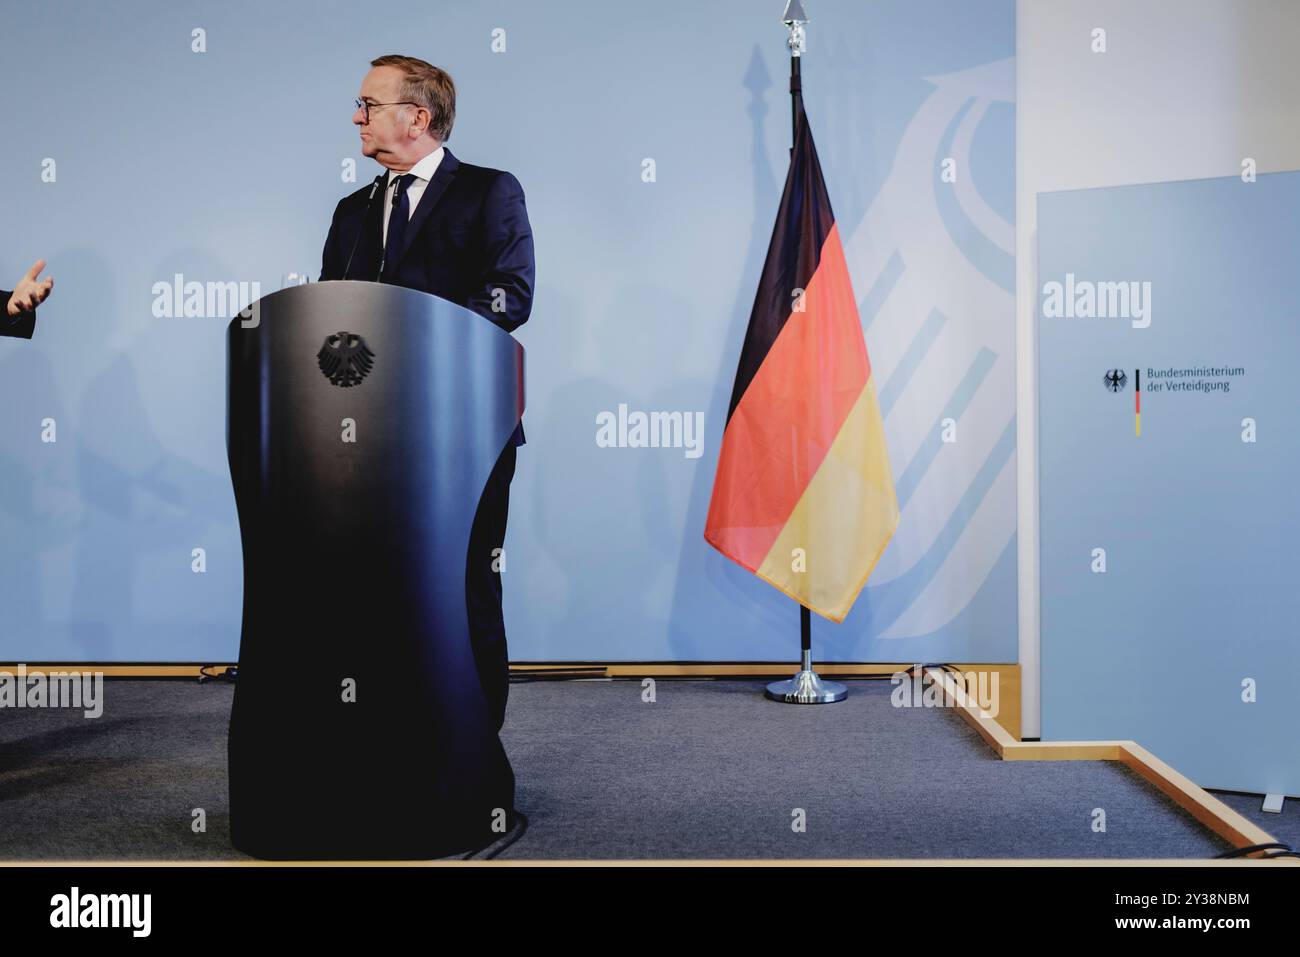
[(442, 178)]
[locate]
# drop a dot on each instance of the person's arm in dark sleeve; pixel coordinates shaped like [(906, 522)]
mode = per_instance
[(504, 294), (331, 267), (20, 326)]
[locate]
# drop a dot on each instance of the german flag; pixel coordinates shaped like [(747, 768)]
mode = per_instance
[(804, 495)]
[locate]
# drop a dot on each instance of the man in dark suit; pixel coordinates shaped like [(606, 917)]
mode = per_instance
[(460, 232), (18, 308)]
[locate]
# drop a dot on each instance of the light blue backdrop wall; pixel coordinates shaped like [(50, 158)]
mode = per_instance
[(226, 165), (1199, 527)]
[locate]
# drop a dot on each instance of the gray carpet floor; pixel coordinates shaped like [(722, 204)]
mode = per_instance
[(710, 769)]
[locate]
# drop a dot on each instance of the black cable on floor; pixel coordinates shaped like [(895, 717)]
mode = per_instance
[(1284, 849), (521, 825), (206, 674)]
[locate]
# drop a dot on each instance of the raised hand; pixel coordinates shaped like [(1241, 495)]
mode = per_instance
[(30, 291)]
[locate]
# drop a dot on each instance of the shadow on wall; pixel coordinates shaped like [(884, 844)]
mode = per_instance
[(108, 504), (39, 509), (733, 588)]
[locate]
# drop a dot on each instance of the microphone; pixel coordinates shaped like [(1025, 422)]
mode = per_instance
[(370, 199)]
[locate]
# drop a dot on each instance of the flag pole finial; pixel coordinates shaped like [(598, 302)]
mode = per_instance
[(794, 18)]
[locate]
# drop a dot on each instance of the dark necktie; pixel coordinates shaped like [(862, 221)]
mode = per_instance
[(397, 220)]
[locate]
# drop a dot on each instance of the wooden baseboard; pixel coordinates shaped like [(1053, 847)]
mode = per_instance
[(1233, 827), (121, 669), (1008, 686)]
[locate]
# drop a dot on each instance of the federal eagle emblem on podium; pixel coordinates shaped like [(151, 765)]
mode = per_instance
[(345, 359)]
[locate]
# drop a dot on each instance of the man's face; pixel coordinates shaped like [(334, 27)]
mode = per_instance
[(387, 137)]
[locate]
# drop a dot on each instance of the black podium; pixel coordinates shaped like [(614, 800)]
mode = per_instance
[(363, 421)]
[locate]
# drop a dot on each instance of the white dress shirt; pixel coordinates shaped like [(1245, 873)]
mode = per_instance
[(423, 171)]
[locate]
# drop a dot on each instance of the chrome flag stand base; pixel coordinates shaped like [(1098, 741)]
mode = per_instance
[(806, 687)]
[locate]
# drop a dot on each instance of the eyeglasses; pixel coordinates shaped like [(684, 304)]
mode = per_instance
[(365, 106)]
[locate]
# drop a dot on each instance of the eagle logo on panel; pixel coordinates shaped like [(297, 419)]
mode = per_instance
[(345, 359)]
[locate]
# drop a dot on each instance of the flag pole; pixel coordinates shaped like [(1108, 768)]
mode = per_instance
[(806, 687)]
